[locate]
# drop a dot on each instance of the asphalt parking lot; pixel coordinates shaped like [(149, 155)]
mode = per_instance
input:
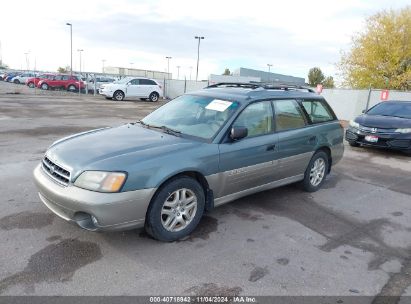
[(353, 237)]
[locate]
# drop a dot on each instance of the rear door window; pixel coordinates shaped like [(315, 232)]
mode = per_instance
[(65, 77), (135, 81), (317, 111), (288, 115), (147, 82)]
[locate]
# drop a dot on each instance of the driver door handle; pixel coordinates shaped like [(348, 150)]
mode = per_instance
[(271, 147)]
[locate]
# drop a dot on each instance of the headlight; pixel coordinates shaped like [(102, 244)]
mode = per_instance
[(406, 130), (354, 124), (101, 181)]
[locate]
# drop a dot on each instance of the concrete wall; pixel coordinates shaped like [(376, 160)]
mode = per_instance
[(173, 87), (347, 103)]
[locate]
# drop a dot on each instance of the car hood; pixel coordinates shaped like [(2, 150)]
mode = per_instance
[(383, 122), (104, 149)]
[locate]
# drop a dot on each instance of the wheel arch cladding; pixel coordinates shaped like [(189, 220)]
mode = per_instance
[(327, 151)]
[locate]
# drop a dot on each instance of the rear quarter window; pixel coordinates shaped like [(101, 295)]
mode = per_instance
[(318, 111)]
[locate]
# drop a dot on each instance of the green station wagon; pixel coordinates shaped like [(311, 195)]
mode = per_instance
[(196, 152)]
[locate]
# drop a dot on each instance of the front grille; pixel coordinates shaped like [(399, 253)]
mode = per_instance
[(399, 143), (57, 173), (377, 130)]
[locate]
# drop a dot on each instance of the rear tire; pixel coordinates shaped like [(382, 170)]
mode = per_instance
[(316, 172), (175, 210), (154, 97), (44, 86), (31, 85), (16, 81), (118, 95)]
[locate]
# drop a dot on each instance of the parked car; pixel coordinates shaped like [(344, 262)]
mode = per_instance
[(386, 125), (10, 76), (196, 152), (34, 81), (98, 82), (21, 79), (137, 87), (66, 82)]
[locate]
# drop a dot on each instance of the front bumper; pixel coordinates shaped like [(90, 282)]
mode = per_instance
[(396, 141), (113, 211), (105, 93)]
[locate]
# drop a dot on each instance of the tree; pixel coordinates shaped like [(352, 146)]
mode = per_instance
[(63, 70), (315, 76), (328, 82), (227, 72), (380, 56)]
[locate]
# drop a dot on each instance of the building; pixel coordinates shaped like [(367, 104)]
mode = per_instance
[(269, 77), (136, 72)]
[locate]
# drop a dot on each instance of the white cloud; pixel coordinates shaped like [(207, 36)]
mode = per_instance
[(292, 35)]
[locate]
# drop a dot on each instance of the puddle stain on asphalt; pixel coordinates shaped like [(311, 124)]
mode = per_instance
[(212, 289), (258, 273), (339, 230), (283, 261), (207, 226), (245, 215), (43, 131), (54, 263), (54, 238), (26, 220)]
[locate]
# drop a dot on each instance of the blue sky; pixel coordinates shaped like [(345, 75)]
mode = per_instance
[(292, 36)]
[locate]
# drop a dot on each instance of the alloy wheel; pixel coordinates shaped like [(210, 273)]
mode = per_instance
[(179, 210), (317, 172)]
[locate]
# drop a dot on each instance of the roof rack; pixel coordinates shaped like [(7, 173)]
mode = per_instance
[(235, 85), (262, 85)]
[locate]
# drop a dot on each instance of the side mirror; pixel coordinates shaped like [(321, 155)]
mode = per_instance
[(363, 111), (238, 133)]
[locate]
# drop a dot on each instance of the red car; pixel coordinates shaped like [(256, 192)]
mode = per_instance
[(60, 81), (33, 81)]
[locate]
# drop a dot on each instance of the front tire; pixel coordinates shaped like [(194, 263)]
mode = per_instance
[(175, 210), (353, 144), (71, 88), (16, 81), (118, 95), (153, 97), (316, 172)]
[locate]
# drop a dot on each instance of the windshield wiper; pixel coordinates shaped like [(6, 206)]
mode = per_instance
[(163, 128), (168, 130)]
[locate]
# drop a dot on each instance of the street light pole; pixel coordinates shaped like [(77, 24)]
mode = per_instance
[(71, 47), (168, 66), (198, 53), (79, 82), (178, 72), (269, 67), (27, 61)]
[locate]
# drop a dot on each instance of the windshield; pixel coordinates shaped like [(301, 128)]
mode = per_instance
[(196, 116), (398, 109)]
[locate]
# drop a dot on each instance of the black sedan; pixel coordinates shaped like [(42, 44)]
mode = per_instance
[(386, 125)]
